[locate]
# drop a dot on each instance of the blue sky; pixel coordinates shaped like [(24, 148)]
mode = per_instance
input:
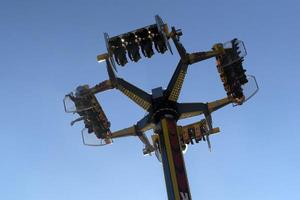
[(47, 48)]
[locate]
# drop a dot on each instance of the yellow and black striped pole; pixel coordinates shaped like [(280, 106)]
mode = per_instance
[(173, 162)]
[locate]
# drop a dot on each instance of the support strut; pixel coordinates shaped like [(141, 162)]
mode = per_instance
[(173, 162)]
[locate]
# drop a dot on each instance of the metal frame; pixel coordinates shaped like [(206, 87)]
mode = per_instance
[(164, 111)]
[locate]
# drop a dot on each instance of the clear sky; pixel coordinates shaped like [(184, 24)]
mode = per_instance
[(47, 48)]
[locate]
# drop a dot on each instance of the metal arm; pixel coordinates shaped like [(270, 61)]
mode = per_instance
[(111, 74), (175, 34), (145, 124), (187, 110), (176, 82), (140, 97), (136, 94), (134, 131), (216, 105), (124, 132), (200, 56), (101, 87)]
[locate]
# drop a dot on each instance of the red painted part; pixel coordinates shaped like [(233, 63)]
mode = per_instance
[(181, 175)]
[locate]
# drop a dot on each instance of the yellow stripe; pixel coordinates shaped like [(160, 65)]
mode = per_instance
[(170, 158)]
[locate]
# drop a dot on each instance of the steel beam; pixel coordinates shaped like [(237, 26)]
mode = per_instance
[(173, 162)]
